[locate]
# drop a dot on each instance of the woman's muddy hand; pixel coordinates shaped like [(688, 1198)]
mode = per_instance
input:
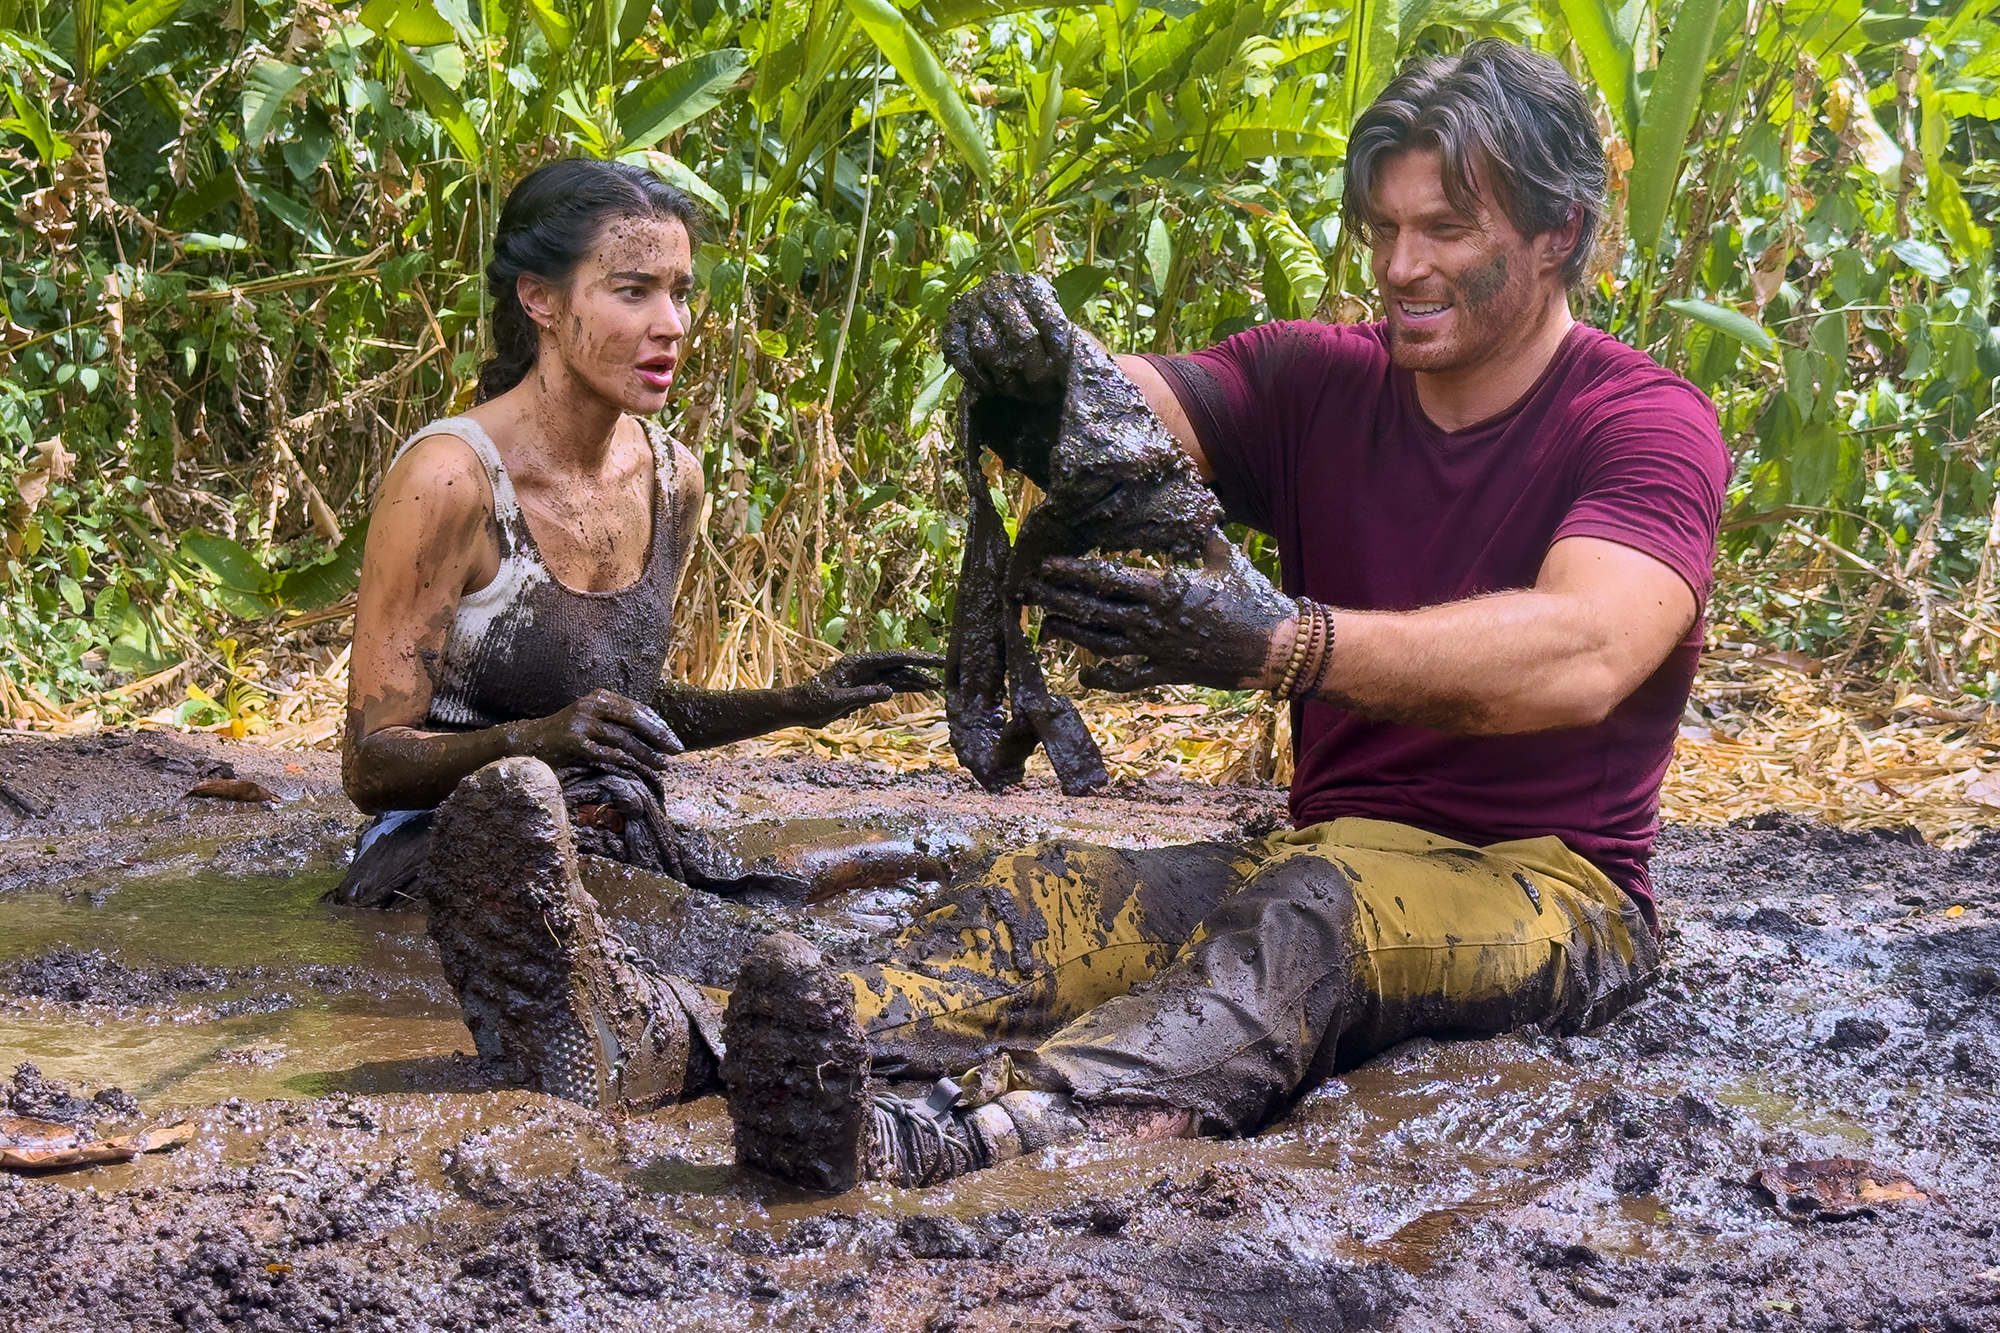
[(862, 679), (605, 730)]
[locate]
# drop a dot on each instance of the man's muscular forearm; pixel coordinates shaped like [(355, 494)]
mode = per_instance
[(1600, 620)]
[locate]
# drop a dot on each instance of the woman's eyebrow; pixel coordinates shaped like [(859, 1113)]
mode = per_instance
[(634, 275)]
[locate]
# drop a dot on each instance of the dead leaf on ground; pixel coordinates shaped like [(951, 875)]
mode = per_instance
[(232, 789), (1834, 1188), (27, 1144)]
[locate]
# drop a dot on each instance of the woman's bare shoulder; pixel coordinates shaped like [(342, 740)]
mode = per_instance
[(439, 472)]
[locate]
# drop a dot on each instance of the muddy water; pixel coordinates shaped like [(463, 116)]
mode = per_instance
[(292, 997), (1821, 998)]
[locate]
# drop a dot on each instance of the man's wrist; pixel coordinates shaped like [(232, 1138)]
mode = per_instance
[(1279, 653)]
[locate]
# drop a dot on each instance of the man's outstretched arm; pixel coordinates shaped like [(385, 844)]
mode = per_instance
[(1166, 405), (1600, 619)]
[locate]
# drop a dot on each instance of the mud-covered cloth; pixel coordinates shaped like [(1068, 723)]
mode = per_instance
[(1344, 939), (1316, 438), (1043, 937), (613, 815)]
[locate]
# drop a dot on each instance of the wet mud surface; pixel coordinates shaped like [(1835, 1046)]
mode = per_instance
[(1826, 995)]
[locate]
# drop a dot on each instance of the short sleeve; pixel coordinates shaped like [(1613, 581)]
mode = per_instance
[(1249, 398), (1654, 478)]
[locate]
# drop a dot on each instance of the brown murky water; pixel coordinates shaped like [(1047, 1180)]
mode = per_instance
[(350, 1168)]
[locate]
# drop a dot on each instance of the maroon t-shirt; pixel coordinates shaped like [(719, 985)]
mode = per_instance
[(1316, 439)]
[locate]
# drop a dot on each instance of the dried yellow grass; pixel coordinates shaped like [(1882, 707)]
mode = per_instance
[(1764, 731)]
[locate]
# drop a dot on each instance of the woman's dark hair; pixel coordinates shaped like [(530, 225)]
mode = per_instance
[(551, 220), (1512, 117)]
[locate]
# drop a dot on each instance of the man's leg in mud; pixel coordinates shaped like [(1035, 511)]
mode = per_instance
[(1045, 935), (1353, 936)]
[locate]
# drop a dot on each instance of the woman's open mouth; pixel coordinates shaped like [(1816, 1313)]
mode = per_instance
[(656, 374)]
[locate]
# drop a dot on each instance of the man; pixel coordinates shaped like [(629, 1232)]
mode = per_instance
[(1501, 525)]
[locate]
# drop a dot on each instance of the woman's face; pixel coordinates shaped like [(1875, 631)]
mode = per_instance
[(618, 325)]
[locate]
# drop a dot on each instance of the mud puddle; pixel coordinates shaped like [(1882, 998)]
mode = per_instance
[(1826, 995)]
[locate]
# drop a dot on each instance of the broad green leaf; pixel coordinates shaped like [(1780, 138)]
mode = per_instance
[(677, 95), (555, 25), (326, 580), (679, 175), (1293, 254), (265, 89), (1078, 285), (133, 23), (1922, 256), (442, 103), (919, 69), (414, 21), (294, 215), (32, 123), (1724, 320), (1371, 52), (1668, 116), (241, 583), (202, 243), (1159, 254), (1609, 58), (632, 20)]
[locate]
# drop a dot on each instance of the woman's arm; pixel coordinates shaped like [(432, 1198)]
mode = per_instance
[(707, 718), (428, 542)]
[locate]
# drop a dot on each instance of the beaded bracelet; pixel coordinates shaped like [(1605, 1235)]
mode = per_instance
[(1311, 688), (1289, 677)]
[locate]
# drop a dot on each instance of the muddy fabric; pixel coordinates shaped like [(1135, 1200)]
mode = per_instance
[(1349, 937), (1318, 440), (1043, 937), (525, 645), (1114, 480), (614, 815)]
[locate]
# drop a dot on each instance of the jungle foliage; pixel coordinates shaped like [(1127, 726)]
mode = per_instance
[(247, 242)]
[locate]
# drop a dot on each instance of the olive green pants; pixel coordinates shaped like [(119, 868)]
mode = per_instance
[(1227, 982)]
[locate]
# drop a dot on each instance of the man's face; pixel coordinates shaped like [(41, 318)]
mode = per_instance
[(1456, 289)]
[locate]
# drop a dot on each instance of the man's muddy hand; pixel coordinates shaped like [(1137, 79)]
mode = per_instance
[(862, 679), (1216, 626), (1008, 337), (604, 730)]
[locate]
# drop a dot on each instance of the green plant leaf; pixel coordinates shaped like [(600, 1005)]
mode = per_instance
[(1289, 248), (1608, 55), (1724, 320), (265, 89), (326, 580), (555, 25), (919, 69), (442, 103), (1922, 256), (677, 95), (414, 21), (1668, 116), (1159, 253), (240, 581)]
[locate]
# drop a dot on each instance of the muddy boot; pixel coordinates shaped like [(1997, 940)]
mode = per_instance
[(797, 1071), (553, 998)]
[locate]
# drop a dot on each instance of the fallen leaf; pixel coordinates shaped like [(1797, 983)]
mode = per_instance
[(295, 768), (27, 1144), (1956, 909), (231, 789), (1833, 1188)]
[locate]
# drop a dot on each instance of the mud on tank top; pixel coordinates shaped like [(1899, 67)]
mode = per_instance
[(525, 645)]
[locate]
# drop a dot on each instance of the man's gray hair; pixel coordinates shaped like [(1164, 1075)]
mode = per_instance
[(1502, 116)]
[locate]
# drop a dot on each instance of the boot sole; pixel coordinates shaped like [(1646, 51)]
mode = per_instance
[(796, 1066)]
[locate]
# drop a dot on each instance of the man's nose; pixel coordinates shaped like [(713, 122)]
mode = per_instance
[(1405, 260)]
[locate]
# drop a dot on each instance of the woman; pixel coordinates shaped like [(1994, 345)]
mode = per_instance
[(518, 585)]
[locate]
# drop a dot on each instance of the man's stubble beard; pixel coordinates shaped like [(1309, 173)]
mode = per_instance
[(1486, 317)]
